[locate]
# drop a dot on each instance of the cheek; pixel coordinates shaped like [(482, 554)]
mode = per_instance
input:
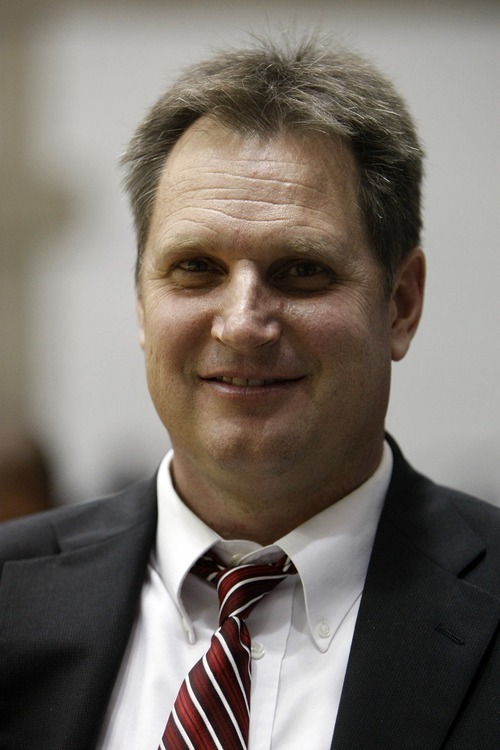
[(331, 329), (353, 347), (171, 332)]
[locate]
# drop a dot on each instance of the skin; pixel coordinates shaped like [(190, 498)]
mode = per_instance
[(267, 334)]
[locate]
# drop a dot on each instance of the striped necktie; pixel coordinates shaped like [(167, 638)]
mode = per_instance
[(212, 708)]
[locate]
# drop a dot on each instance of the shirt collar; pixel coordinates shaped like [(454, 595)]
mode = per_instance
[(181, 538), (331, 551)]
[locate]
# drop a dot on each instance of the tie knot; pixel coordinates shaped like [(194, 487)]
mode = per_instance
[(240, 588)]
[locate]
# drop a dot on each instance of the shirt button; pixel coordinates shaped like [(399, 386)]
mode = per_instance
[(257, 650), (324, 630)]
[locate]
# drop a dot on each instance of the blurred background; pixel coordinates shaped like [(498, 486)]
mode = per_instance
[(76, 77)]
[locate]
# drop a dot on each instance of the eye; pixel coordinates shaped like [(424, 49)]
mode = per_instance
[(305, 268), (304, 275), (195, 273), (194, 265)]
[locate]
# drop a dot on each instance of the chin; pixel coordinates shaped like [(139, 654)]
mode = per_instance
[(254, 453)]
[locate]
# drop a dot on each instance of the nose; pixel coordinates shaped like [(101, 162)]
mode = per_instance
[(247, 315)]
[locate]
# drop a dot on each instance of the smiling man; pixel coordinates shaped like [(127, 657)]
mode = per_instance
[(276, 194), (267, 329)]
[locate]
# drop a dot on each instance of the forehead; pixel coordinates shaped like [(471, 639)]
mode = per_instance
[(217, 178), (208, 141)]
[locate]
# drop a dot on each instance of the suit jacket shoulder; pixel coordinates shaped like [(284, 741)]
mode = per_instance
[(69, 590), (424, 667), (77, 525)]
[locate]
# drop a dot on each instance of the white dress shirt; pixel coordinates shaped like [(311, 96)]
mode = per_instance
[(301, 632)]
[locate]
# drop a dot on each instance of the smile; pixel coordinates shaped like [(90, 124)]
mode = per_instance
[(247, 382)]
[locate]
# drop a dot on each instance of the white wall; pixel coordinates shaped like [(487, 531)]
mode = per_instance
[(92, 74)]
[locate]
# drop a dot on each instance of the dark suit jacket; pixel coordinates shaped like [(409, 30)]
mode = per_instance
[(424, 669)]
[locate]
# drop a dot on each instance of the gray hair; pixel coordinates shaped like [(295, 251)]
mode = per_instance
[(309, 86)]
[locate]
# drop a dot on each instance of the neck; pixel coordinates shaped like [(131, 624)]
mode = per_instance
[(262, 508)]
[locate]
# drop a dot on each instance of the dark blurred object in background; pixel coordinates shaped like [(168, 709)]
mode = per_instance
[(25, 474)]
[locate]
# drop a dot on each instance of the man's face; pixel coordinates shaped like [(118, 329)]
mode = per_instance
[(266, 331)]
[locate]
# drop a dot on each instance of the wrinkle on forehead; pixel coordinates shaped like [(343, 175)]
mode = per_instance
[(218, 180), (297, 149)]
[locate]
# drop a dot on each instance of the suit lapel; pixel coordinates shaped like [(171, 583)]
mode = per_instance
[(86, 596), (421, 630)]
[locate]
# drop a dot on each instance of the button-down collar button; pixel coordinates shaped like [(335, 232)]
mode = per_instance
[(323, 629), (258, 650), (188, 629)]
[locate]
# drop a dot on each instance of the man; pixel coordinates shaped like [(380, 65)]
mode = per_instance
[(276, 195)]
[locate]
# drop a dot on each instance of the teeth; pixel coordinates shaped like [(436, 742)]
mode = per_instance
[(245, 381)]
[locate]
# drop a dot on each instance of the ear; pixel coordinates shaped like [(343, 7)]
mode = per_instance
[(140, 319), (406, 302)]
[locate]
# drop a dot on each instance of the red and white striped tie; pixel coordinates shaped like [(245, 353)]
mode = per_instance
[(212, 708)]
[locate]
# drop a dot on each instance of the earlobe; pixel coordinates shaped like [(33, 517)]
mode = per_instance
[(407, 302), (140, 319)]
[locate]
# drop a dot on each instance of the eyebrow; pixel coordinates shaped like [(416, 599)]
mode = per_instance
[(323, 249), (326, 250)]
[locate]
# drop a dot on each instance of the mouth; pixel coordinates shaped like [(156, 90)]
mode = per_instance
[(248, 382)]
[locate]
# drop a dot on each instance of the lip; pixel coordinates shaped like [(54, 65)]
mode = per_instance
[(239, 383), (249, 382)]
